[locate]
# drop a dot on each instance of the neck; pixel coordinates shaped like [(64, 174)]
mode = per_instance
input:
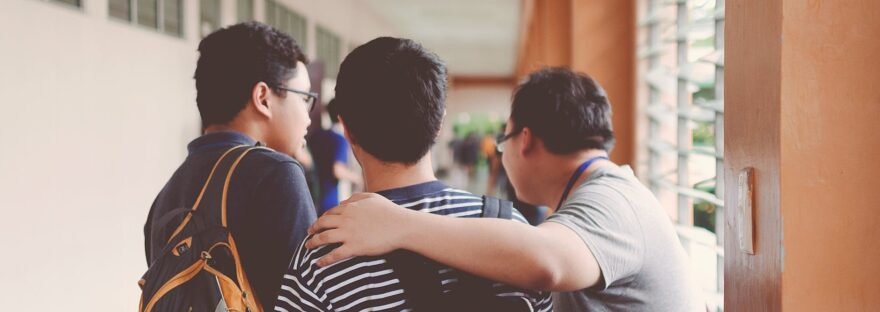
[(247, 129), (557, 171), (380, 176)]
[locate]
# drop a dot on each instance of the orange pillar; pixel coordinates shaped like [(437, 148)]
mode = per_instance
[(546, 37), (802, 108), (592, 36), (604, 46), (830, 153)]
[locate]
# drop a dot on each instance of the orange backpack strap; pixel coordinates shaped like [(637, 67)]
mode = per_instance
[(202, 193), (228, 179)]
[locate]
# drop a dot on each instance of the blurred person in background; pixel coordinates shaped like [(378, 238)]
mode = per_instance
[(331, 161)]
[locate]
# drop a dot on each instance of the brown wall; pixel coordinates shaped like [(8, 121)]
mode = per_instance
[(751, 139), (592, 36), (547, 35), (802, 107), (604, 45), (831, 155)]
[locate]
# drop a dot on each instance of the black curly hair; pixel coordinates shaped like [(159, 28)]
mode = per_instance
[(568, 110), (234, 59)]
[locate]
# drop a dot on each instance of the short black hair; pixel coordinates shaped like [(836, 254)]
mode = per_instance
[(568, 111), (391, 94), (234, 59), (333, 111)]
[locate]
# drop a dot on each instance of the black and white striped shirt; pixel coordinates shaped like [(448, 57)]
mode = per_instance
[(370, 283)]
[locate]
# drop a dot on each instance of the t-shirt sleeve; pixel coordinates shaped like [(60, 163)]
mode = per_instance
[(606, 223)]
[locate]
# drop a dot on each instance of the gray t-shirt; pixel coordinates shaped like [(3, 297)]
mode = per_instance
[(644, 267)]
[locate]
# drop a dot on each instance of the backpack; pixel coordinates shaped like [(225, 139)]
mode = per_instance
[(199, 268), (421, 282)]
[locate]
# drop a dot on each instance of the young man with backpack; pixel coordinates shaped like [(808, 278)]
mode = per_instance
[(229, 219), (390, 96)]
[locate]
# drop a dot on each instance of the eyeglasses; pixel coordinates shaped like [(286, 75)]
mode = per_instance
[(310, 97), (499, 140)]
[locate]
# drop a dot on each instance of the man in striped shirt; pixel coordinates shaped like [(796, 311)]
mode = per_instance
[(390, 96)]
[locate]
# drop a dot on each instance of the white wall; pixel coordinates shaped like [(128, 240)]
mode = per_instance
[(351, 20), (95, 115)]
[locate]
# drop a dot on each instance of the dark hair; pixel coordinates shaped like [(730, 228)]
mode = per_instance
[(391, 94), (568, 111), (234, 59), (333, 111)]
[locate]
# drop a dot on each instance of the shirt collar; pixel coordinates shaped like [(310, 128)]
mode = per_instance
[(415, 190), (220, 139)]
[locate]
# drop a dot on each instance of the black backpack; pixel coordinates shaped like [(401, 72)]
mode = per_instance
[(421, 281), (199, 268)]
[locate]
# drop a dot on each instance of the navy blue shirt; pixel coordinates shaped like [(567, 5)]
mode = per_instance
[(269, 207)]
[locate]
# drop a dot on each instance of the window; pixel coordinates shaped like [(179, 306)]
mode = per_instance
[(210, 16), (76, 3), (121, 9), (287, 21), (271, 7), (162, 15), (147, 14), (171, 16), (245, 10), (328, 48), (681, 70)]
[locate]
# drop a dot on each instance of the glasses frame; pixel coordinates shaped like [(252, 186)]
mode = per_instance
[(311, 97), (499, 140)]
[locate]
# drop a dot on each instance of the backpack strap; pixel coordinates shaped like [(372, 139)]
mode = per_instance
[(168, 217), (228, 178), (422, 285), (497, 208), (419, 281), (216, 187), (491, 207), (479, 292)]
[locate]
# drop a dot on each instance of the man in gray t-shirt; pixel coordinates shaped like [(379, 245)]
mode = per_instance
[(633, 241), (608, 246)]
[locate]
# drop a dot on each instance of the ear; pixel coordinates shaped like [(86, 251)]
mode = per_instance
[(261, 99), (529, 141)]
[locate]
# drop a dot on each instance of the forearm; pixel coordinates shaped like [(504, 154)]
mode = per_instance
[(550, 256), (501, 250)]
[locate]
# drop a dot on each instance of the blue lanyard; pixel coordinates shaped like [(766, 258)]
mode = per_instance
[(577, 174)]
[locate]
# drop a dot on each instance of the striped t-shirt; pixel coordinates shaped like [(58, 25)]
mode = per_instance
[(370, 283)]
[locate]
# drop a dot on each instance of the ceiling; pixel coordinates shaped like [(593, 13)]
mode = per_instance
[(474, 38)]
